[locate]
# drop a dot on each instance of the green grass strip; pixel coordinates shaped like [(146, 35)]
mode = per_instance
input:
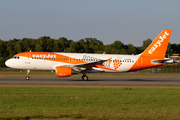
[(93, 103)]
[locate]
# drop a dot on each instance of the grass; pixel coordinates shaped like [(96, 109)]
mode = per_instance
[(91, 103), (35, 74)]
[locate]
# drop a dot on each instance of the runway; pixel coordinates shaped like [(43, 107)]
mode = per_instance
[(92, 81)]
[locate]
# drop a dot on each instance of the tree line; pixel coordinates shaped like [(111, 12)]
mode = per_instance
[(87, 45)]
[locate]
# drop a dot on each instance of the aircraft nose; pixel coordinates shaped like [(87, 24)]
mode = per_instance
[(8, 63)]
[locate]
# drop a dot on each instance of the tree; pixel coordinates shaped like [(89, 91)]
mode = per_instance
[(3, 52), (82, 46), (25, 45), (2, 60), (10, 48), (168, 51), (63, 44), (50, 45), (56, 46), (116, 48), (178, 48), (30, 43), (131, 49), (72, 48), (146, 43), (38, 48), (18, 46)]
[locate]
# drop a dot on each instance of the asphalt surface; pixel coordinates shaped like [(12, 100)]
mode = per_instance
[(92, 81)]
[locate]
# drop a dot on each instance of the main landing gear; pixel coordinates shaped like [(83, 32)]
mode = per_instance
[(84, 77), (27, 77)]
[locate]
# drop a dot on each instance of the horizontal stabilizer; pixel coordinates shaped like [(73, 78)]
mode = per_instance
[(168, 60)]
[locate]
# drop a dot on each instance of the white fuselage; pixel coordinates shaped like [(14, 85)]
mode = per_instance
[(125, 62)]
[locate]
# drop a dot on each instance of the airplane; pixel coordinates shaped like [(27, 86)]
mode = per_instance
[(67, 64)]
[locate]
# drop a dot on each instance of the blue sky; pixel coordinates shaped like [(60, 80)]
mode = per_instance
[(130, 21)]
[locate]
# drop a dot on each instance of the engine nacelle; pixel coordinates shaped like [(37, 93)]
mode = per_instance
[(65, 71)]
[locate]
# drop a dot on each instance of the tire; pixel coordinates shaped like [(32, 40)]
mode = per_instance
[(85, 78), (27, 77)]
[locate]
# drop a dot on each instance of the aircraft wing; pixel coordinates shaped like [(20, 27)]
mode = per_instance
[(89, 64)]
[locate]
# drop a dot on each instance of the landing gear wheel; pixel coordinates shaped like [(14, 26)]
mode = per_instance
[(85, 78), (27, 77)]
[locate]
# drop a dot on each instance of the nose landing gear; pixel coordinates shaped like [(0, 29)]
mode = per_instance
[(27, 77)]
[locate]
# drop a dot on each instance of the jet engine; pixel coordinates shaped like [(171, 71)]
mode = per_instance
[(65, 71)]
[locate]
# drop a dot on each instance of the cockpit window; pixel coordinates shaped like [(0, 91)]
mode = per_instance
[(15, 57)]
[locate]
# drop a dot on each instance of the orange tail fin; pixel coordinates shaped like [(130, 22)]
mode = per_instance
[(159, 46)]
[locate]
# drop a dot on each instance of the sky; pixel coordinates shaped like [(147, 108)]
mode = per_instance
[(130, 21)]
